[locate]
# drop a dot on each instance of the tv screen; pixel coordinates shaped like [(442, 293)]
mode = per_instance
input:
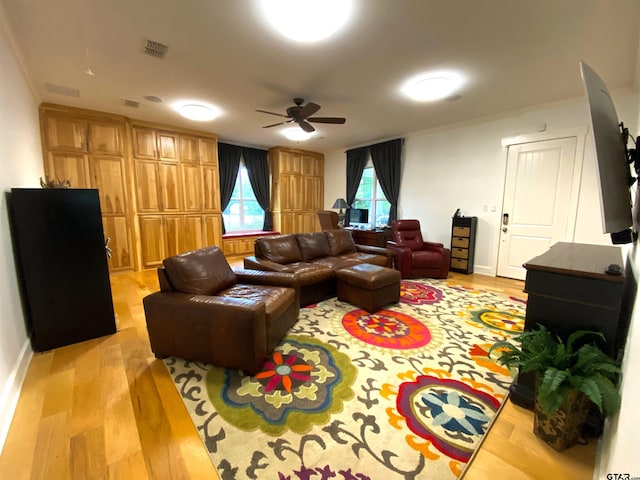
[(358, 215), (613, 170)]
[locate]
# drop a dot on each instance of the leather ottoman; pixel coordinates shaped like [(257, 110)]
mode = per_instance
[(368, 286)]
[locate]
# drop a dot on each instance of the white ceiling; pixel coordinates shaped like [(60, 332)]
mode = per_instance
[(516, 54)]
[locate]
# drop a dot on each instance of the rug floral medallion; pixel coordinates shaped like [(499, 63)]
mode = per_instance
[(405, 393)]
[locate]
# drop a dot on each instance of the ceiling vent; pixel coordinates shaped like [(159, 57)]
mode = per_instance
[(131, 103), (60, 90), (155, 49)]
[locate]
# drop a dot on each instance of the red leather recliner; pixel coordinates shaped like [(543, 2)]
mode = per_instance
[(415, 258)]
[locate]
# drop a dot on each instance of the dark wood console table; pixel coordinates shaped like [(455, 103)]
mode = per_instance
[(568, 290), (375, 238)]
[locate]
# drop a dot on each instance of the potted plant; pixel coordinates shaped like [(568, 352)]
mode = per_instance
[(570, 376)]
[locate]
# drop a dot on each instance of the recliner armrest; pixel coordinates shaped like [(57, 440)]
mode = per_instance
[(434, 245), (401, 257)]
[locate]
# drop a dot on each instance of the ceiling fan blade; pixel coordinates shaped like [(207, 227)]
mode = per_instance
[(309, 109), (272, 113), (275, 124), (307, 127), (336, 120)]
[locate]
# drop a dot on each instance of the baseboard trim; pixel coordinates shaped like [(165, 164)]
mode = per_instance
[(482, 270), (11, 393)]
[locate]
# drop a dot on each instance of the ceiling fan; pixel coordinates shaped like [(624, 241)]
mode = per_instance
[(302, 116)]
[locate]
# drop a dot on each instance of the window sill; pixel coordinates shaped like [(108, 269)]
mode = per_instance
[(258, 233)]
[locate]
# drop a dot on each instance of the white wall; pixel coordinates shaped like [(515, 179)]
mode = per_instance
[(21, 166), (618, 449), (464, 167)]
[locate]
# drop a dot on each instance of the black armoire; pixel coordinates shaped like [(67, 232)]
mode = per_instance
[(62, 266)]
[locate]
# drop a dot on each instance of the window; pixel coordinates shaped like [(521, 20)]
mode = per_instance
[(371, 196), (243, 212)]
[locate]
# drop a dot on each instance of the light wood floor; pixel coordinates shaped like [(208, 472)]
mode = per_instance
[(106, 408)]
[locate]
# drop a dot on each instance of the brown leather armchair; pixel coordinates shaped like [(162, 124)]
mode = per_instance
[(415, 258), (329, 220), (206, 312)]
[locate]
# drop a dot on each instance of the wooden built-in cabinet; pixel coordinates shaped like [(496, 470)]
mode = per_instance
[(89, 149), (158, 186), (177, 182), (297, 191)]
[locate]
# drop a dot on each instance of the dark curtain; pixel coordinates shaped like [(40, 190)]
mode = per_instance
[(386, 162), (228, 163), (356, 161), (257, 165)]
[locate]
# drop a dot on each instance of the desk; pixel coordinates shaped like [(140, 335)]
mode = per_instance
[(568, 290), (375, 238)]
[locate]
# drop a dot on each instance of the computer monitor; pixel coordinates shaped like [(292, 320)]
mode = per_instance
[(357, 216)]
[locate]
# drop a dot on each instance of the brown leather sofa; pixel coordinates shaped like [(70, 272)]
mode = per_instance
[(206, 312), (314, 257), (414, 257)]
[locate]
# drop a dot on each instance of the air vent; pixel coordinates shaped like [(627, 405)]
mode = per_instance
[(131, 103), (60, 90), (155, 49)]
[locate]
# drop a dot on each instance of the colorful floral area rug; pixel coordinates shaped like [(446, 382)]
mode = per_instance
[(406, 393)]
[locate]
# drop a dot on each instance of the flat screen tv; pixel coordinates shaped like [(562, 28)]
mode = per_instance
[(614, 172), (357, 215)]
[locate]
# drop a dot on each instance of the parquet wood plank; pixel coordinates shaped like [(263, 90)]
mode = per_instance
[(88, 460), (52, 451)]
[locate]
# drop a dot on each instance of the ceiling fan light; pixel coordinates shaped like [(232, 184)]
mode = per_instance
[(198, 112), (433, 86), (307, 20), (297, 134)]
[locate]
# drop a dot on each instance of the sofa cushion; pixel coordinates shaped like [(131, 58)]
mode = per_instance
[(278, 248), (313, 245), (202, 272), (340, 241)]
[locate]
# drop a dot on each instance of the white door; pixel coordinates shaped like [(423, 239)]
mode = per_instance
[(537, 204)]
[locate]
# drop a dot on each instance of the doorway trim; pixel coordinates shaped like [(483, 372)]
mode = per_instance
[(580, 133)]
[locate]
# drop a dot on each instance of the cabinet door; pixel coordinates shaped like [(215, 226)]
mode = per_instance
[(191, 187), (147, 187), (105, 138), (169, 187), (310, 222), (107, 175), (189, 149), (144, 143), (295, 193), (211, 189), (152, 240), (311, 196), (167, 147), (212, 230), (65, 133), (208, 151), (68, 166), (117, 231), (193, 233), (173, 235)]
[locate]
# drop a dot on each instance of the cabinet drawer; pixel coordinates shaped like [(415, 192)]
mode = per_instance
[(460, 253), (461, 231), (462, 242), (459, 263)]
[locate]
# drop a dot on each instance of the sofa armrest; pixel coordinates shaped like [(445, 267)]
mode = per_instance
[(255, 263), (373, 250), (275, 279), (229, 330), (432, 245)]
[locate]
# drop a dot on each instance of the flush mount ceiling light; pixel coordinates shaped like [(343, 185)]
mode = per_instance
[(307, 20), (296, 133), (197, 111), (432, 86)]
